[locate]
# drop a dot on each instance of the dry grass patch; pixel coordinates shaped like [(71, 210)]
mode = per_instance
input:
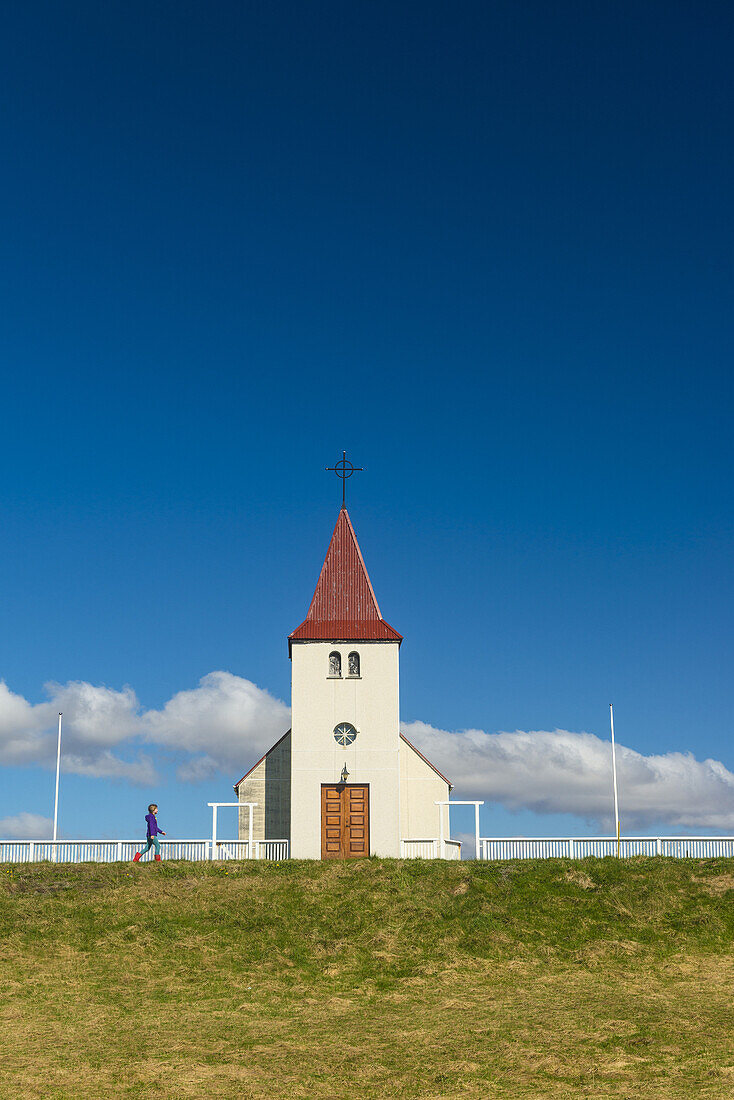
[(579, 878), (715, 885)]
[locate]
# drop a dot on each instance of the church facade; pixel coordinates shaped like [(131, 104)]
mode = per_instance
[(343, 782)]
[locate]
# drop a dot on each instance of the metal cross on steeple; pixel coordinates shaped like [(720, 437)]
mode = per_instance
[(344, 469)]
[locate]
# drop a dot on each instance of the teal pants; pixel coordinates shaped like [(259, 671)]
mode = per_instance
[(153, 842)]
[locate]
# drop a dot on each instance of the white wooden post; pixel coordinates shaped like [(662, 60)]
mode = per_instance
[(458, 802), (119, 851), (234, 805), (30, 851), (56, 797), (571, 851), (614, 772), (658, 846), (249, 834)]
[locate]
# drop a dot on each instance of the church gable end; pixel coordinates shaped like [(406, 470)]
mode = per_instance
[(268, 783), (426, 761), (421, 786)]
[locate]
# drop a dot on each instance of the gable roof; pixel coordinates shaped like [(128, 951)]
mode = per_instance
[(344, 606), (402, 738), (258, 762), (426, 760)]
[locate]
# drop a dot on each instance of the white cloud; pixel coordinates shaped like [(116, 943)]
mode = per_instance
[(96, 715), (228, 718), (95, 718), (223, 724), (105, 765), (24, 729), (25, 826), (198, 769), (563, 772)]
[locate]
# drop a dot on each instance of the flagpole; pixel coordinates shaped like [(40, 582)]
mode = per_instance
[(56, 799), (614, 773)]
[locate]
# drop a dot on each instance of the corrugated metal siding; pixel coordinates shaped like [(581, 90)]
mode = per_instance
[(344, 605)]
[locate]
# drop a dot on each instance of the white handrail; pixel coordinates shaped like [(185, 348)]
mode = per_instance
[(494, 848), (544, 847), (113, 851)]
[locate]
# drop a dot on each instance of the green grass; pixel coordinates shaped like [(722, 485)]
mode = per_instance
[(375, 978)]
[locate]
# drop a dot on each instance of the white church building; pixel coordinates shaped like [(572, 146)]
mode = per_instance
[(343, 782)]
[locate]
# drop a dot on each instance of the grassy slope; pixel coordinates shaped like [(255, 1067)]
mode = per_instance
[(370, 979)]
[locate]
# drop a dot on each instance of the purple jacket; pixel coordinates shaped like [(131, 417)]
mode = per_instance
[(153, 829)]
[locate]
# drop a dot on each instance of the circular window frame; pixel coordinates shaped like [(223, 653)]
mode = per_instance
[(345, 734)]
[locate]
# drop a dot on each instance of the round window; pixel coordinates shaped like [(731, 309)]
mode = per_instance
[(344, 734)]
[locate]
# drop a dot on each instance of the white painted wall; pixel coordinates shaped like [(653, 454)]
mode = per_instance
[(371, 704), (420, 789)]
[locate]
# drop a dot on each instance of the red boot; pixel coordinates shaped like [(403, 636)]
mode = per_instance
[(136, 857), (157, 859)]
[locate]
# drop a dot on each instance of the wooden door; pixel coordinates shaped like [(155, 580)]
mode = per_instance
[(345, 820), (357, 833)]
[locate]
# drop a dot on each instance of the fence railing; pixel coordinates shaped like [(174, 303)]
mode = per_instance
[(231, 849), (430, 849), (261, 849), (272, 849), (490, 848), (419, 849), (678, 847), (112, 851)]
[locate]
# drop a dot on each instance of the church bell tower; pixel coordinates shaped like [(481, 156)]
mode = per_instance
[(345, 736)]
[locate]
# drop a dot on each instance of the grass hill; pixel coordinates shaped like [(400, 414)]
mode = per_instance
[(368, 979)]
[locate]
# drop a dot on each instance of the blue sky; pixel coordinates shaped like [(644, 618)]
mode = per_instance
[(488, 250)]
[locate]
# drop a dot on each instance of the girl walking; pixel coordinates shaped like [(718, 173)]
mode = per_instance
[(153, 833)]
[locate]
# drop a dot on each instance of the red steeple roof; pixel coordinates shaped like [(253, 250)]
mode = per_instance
[(344, 607)]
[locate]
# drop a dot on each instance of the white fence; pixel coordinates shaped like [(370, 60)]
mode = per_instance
[(679, 847), (494, 848), (419, 849), (271, 849), (430, 849), (112, 851)]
